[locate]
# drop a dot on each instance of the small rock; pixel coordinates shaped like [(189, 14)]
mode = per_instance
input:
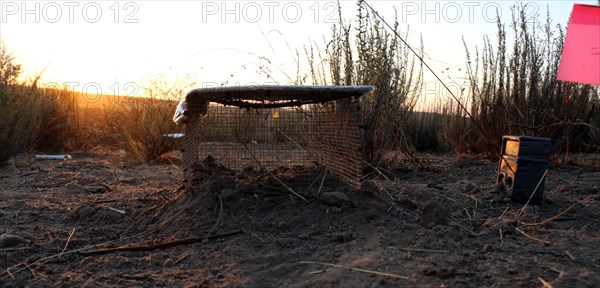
[(342, 237), (454, 236), (128, 181), (305, 235), (441, 272), (499, 187), (229, 194), (487, 248), (334, 210), (95, 188), (435, 186), (446, 272), (27, 236), (470, 187), (9, 240), (248, 168), (432, 214), (335, 198), (408, 203), (74, 188), (85, 211), (369, 186)]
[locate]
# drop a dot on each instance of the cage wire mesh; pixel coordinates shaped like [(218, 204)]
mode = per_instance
[(293, 133)]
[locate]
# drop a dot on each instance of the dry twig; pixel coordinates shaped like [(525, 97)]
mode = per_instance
[(181, 258), (115, 209), (220, 215), (67, 244), (356, 269), (551, 218), (55, 256), (570, 255), (503, 212), (386, 178), (322, 182), (157, 246), (254, 235), (424, 250), (545, 283), (532, 238), (533, 193)]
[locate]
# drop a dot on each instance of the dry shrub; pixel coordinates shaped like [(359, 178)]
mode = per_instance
[(425, 127), (244, 125), (138, 125), (377, 58), (64, 125), (368, 54), (517, 93), (17, 104), (34, 118)]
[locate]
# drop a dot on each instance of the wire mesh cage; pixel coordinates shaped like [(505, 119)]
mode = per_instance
[(290, 133)]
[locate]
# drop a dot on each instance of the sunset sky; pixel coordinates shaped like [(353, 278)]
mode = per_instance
[(104, 45)]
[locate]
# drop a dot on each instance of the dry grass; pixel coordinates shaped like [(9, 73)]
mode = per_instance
[(139, 125), (516, 93), (371, 55), (512, 90), (34, 118), (16, 103)]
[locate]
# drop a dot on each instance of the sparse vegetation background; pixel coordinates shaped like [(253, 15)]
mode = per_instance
[(365, 52), (15, 100), (141, 128), (34, 118), (512, 90)]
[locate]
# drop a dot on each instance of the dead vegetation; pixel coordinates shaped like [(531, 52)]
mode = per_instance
[(514, 91)]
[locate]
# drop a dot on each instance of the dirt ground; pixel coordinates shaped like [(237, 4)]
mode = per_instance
[(95, 221)]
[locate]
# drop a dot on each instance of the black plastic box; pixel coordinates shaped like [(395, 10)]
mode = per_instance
[(522, 166)]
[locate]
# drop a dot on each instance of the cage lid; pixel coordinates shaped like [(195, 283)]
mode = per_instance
[(264, 96)]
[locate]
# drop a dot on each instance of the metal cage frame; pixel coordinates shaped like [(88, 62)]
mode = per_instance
[(338, 123)]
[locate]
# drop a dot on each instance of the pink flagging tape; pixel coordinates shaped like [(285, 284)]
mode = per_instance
[(580, 59)]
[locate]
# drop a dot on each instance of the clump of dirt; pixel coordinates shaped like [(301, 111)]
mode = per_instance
[(432, 214), (447, 225)]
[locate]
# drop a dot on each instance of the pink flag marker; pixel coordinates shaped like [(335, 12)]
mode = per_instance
[(580, 59)]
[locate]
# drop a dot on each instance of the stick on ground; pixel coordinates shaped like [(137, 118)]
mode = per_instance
[(157, 246), (551, 218), (356, 269), (67, 244), (532, 238)]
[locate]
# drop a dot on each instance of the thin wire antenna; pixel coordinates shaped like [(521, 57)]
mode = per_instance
[(426, 65)]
